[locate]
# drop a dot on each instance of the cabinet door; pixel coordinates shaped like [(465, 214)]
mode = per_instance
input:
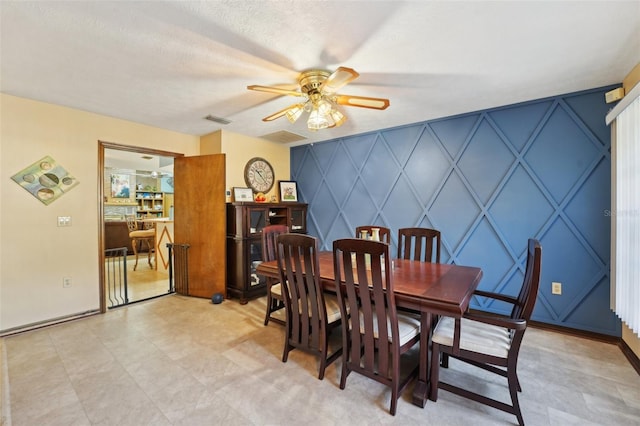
[(255, 258), (256, 220), (298, 219)]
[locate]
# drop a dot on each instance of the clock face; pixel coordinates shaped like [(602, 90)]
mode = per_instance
[(258, 174)]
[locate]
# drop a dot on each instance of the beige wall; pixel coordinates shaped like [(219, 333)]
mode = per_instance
[(35, 254), (240, 148)]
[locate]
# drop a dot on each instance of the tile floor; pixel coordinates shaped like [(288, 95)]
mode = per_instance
[(183, 361), (143, 283)]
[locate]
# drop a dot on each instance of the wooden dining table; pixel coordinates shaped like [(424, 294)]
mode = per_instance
[(429, 288)]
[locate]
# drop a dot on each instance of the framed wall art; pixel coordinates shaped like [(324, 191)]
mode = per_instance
[(45, 179), (288, 191), (120, 187), (242, 194)]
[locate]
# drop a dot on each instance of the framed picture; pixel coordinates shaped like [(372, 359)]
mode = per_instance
[(288, 191), (242, 194), (120, 186)]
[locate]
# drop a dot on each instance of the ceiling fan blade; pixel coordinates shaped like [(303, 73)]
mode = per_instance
[(281, 112), (338, 79), (362, 101), (275, 90)]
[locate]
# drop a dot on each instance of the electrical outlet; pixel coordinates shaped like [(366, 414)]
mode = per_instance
[(556, 288), (64, 220), (66, 282)]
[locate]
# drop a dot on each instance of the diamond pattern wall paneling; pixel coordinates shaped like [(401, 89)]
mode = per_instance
[(488, 180)]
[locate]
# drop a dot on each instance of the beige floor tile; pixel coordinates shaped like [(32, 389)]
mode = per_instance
[(183, 361)]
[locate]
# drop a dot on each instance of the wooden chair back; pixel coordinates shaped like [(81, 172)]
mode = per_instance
[(491, 342), (372, 344), (131, 223), (308, 323), (275, 301), (419, 244), (529, 291), (269, 236), (385, 233)]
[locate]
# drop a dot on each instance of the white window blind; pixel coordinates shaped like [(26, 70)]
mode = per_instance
[(625, 277)]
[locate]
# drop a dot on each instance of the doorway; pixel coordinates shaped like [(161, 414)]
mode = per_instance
[(137, 184)]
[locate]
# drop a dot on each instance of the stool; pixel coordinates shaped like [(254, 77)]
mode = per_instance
[(146, 236)]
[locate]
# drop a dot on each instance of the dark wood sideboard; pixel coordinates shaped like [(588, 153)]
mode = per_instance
[(245, 221)]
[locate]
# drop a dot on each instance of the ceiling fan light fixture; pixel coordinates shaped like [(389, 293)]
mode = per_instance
[(337, 117), (324, 107), (317, 120), (294, 112), (318, 88)]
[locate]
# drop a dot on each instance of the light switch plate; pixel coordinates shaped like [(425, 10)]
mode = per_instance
[(64, 220)]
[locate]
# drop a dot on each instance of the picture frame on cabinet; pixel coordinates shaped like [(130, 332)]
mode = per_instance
[(242, 194), (288, 191)]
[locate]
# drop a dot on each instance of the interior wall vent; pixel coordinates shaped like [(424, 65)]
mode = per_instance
[(283, 137), (217, 119)]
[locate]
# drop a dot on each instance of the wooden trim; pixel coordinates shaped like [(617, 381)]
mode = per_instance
[(102, 145), (101, 285), (47, 323), (631, 79), (623, 104), (598, 337), (631, 356), (139, 149), (604, 338)]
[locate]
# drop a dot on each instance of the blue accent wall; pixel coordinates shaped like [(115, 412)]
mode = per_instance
[(488, 180)]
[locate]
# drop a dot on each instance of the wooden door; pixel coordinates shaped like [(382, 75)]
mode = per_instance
[(200, 221)]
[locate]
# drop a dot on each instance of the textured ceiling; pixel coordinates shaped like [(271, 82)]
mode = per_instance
[(170, 64)]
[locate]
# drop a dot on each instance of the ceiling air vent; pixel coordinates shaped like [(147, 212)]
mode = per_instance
[(217, 119), (283, 137)]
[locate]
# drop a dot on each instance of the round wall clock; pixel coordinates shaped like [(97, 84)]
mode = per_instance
[(259, 175)]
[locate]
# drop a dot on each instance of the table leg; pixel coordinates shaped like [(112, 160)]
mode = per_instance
[(420, 391)]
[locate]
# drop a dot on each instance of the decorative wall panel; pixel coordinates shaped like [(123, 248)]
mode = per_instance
[(488, 180)]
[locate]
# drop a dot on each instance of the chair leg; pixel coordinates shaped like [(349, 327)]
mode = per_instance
[(513, 390), (134, 244), (345, 358), (273, 304), (287, 349), (150, 247), (394, 395), (343, 375), (276, 305), (323, 363), (444, 361), (269, 307)]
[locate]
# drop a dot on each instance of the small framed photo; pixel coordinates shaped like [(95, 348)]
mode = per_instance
[(288, 191), (242, 194)]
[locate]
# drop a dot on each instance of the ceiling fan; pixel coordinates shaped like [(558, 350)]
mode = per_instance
[(142, 173), (319, 97)]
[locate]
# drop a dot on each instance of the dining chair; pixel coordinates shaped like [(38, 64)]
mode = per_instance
[(385, 233), (490, 342), (311, 314), (419, 244), (139, 236), (374, 334), (275, 301)]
